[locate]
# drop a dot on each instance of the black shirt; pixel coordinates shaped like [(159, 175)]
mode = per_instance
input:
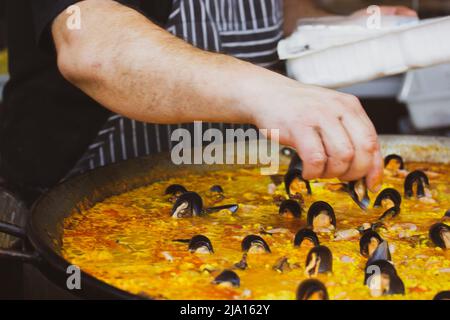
[(46, 123)]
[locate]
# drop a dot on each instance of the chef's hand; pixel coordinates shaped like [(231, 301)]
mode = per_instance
[(330, 131), (389, 11)]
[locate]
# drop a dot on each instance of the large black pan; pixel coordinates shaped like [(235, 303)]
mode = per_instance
[(43, 234)]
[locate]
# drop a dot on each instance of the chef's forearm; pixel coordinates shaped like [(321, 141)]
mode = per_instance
[(134, 68)]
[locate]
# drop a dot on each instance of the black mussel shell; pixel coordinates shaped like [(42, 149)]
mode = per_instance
[(388, 193), (390, 213), (312, 289), (175, 189), (386, 268), (447, 213), (295, 163), (358, 192), (440, 235), (187, 205), (228, 276), (394, 157), (443, 295), (381, 253), (306, 234), (216, 188), (254, 240), (416, 177), (288, 152), (290, 207), (200, 241), (317, 208), (233, 208), (295, 175), (323, 257), (365, 239)]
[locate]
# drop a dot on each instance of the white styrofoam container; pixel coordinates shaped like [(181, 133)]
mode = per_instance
[(394, 51), (426, 93)]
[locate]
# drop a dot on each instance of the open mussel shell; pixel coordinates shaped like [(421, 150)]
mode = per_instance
[(369, 242), (388, 194), (290, 207), (447, 213), (443, 295), (254, 243), (242, 264), (216, 188), (317, 211), (358, 192), (200, 244), (175, 190), (420, 180), (390, 213), (440, 235), (312, 289), (394, 162), (319, 260), (187, 204), (233, 208), (381, 276), (295, 184), (306, 234), (381, 253), (228, 276)]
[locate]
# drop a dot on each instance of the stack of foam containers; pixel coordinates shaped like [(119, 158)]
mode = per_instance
[(339, 55)]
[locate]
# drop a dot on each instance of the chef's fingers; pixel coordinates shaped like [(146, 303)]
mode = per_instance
[(339, 148), (365, 143), (308, 144), (374, 178)]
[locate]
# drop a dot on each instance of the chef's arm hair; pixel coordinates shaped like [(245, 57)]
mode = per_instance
[(137, 69)]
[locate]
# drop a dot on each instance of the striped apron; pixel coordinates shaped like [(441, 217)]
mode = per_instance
[(246, 29)]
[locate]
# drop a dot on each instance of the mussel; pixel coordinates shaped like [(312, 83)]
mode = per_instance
[(175, 190), (233, 208), (382, 279), (306, 234), (228, 277), (216, 188), (369, 242), (447, 214), (293, 179), (388, 198), (187, 204), (390, 213), (190, 204), (440, 235), (394, 162), (254, 244), (358, 192), (312, 289), (321, 216), (319, 260), (443, 295), (416, 179), (200, 244), (290, 208)]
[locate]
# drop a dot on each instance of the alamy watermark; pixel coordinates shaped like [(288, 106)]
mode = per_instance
[(235, 146)]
